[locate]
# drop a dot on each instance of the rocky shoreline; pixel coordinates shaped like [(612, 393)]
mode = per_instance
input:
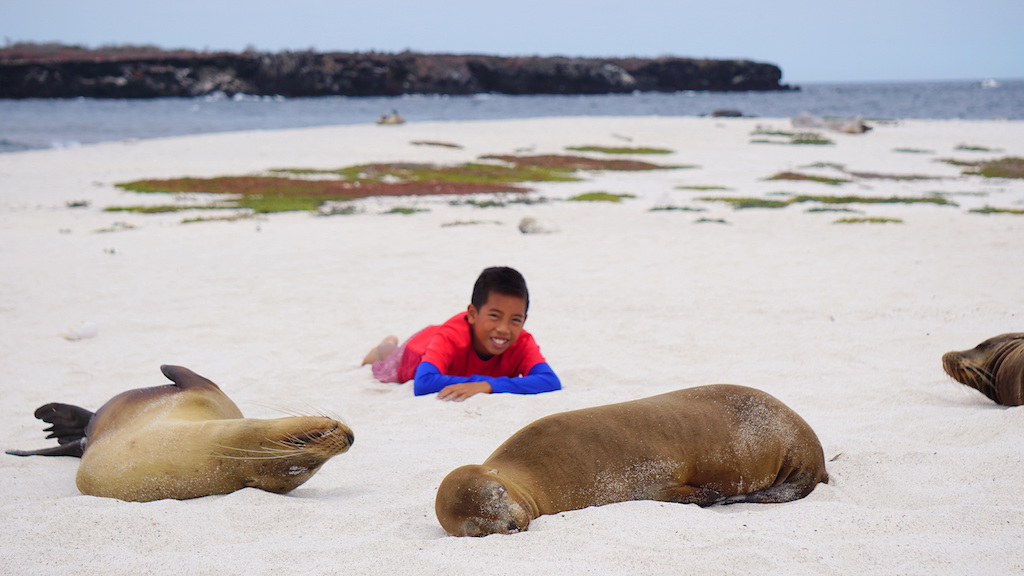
[(95, 74)]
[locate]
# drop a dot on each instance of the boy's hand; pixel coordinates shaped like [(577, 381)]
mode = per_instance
[(459, 392)]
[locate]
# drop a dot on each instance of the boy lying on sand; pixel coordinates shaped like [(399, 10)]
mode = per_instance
[(483, 349)]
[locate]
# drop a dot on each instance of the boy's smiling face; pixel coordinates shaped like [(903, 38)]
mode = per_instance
[(497, 324)]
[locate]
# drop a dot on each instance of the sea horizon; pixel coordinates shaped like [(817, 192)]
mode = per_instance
[(32, 124)]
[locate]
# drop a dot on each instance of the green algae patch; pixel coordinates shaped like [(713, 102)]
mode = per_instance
[(743, 203), (572, 163), (975, 148), (600, 197), (469, 173), (436, 144), (700, 188), (897, 177), (498, 201), (619, 150), (342, 209), (746, 203), (937, 200), (790, 138), (992, 210), (161, 209), (831, 209), (868, 221), (676, 209), (798, 176), (957, 162), (1009, 167), (406, 210)]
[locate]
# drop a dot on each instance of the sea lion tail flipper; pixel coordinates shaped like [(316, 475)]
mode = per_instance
[(185, 378), (67, 426), (687, 494), (793, 489), (76, 449)]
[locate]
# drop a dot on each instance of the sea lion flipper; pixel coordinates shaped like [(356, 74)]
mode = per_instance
[(68, 422), (793, 489), (67, 426), (75, 448), (184, 378), (687, 494)]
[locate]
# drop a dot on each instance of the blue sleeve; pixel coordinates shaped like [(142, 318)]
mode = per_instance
[(541, 378), (428, 379)]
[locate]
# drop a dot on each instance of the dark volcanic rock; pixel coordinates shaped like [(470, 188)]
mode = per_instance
[(550, 76), (94, 74)]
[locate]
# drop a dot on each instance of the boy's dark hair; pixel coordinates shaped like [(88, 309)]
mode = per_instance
[(499, 279)]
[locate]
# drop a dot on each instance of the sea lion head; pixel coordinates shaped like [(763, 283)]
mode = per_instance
[(995, 368), (478, 500), (278, 455)]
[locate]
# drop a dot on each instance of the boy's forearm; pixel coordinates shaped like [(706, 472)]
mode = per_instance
[(541, 378), (429, 379)]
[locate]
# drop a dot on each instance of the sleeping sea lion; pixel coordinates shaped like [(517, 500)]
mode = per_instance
[(186, 440), (704, 445), (995, 368)]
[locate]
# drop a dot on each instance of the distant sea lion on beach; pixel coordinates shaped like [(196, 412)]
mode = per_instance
[(705, 445), (186, 440), (995, 368), (391, 118)]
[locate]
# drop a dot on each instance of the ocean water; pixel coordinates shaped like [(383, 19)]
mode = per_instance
[(45, 123)]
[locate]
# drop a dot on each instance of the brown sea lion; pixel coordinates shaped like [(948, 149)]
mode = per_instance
[(705, 445), (186, 440), (995, 368)]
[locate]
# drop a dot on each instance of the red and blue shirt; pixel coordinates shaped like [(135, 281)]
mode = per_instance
[(439, 356)]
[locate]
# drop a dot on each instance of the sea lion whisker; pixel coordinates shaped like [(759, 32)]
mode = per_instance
[(290, 443), (307, 411), (261, 453), (979, 376), (994, 367)]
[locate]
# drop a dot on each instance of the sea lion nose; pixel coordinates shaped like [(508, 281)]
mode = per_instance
[(350, 437)]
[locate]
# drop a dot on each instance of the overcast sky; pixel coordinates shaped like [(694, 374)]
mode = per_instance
[(812, 41)]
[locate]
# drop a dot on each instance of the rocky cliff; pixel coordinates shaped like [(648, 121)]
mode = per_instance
[(94, 74)]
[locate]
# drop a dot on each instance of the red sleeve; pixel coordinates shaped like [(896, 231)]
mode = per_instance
[(447, 342), (530, 354)]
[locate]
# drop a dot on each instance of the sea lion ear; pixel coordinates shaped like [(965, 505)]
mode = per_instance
[(185, 378)]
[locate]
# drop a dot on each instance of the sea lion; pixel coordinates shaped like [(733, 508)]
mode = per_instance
[(995, 368), (186, 440), (392, 118), (704, 445)]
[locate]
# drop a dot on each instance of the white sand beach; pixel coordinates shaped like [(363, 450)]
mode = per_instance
[(845, 323)]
